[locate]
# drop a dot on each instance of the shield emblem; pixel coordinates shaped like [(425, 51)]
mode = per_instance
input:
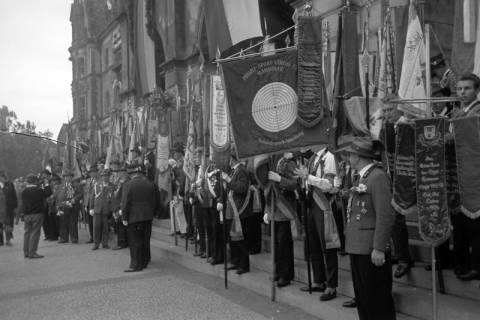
[(429, 132)]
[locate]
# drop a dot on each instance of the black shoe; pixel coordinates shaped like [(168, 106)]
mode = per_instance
[(62, 241), (242, 271), (118, 248), (215, 262), (472, 275), (282, 283), (106, 246), (401, 270), (36, 256), (89, 241), (350, 303), (319, 288), (95, 247), (133, 270), (232, 267), (328, 295)]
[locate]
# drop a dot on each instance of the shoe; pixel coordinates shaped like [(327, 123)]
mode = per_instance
[(242, 271), (282, 283), (232, 267), (133, 270), (319, 288), (95, 247), (118, 248), (36, 256), (62, 241), (198, 254), (203, 256), (215, 262), (89, 241), (74, 241), (472, 275), (328, 295), (352, 303), (401, 270), (106, 246), (8, 244)]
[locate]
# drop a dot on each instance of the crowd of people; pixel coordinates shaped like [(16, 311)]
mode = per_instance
[(338, 202)]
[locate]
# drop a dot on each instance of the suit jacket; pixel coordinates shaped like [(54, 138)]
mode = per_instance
[(371, 216), (102, 193), (239, 184), (65, 197), (117, 193), (139, 200)]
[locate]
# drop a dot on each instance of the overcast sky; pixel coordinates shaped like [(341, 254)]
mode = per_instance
[(35, 73)]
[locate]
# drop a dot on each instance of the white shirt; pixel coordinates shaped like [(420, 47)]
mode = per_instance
[(329, 167)]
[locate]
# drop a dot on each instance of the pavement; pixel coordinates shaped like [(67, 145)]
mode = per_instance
[(74, 282)]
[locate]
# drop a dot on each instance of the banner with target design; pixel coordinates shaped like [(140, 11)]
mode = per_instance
[(263, 102)]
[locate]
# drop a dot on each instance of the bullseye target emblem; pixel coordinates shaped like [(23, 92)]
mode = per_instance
[(274, 107)]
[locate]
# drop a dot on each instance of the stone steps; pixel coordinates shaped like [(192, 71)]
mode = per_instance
[(412, 293)]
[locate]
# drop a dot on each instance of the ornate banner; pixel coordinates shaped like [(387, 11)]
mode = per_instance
[(404, 192), (433, 217), (262, 101), (219, 116), (467, 143)]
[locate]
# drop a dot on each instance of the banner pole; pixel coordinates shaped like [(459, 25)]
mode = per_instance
[(172, 216), (428, 79), (434, 285), (272, 241)]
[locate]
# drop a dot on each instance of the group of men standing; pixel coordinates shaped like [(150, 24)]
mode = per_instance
[(347, 207)]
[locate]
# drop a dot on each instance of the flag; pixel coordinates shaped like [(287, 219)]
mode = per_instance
[(468, 156), (145, 51), (219, 123), (189, 158), (412, 81), (476, 64), (347, 79), (132, 140), (386, 77), (229, 22), (262, 103)]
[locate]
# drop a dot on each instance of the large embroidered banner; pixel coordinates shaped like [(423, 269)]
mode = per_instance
[(467, 143), (433, 217)]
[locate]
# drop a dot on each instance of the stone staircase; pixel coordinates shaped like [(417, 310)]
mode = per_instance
[(412, 293)]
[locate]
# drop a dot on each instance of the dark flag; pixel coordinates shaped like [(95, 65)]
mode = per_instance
[(262, 101), (433, 217), (404, 192), (467, 144)]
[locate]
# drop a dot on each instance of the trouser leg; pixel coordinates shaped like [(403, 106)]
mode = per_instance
[(1, 234), (26, 235), (461, 252), (64, 225), (97, 228), (90, 224), (73, 225), (284, 251), (474, 230), (104, 230), (37, 221), (147, 233), (134, 231), (400, 239), (218, 236), (207, 214), (121, 234), (200, 223), (373, 288)]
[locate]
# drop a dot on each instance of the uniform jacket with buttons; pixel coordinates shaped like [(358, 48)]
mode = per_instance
[(239, 184), (102, 197), (371, 216)]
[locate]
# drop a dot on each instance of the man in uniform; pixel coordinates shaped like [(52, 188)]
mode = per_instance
[(211, 188), (65, 198), (138, 205), (283, 213), (468, 88), (238, 206), (319, 176), (102, 196), (88, 196), (370, 219), (119, 178), (52, 224)]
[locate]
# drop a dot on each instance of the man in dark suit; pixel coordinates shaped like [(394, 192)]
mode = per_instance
[(370, 218), (67, 196), (8, 190), (238, 207), (102, 209), (138, 205), (88, 196)]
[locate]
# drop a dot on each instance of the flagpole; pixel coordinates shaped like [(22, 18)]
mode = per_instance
[(255, 54), (428, 80)]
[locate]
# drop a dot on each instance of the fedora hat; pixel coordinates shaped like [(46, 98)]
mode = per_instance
[(363, 146)]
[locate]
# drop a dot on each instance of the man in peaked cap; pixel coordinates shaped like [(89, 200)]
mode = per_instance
[(88, 196), (102, 196), (119, 178), (66, 197), (370, 219)]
